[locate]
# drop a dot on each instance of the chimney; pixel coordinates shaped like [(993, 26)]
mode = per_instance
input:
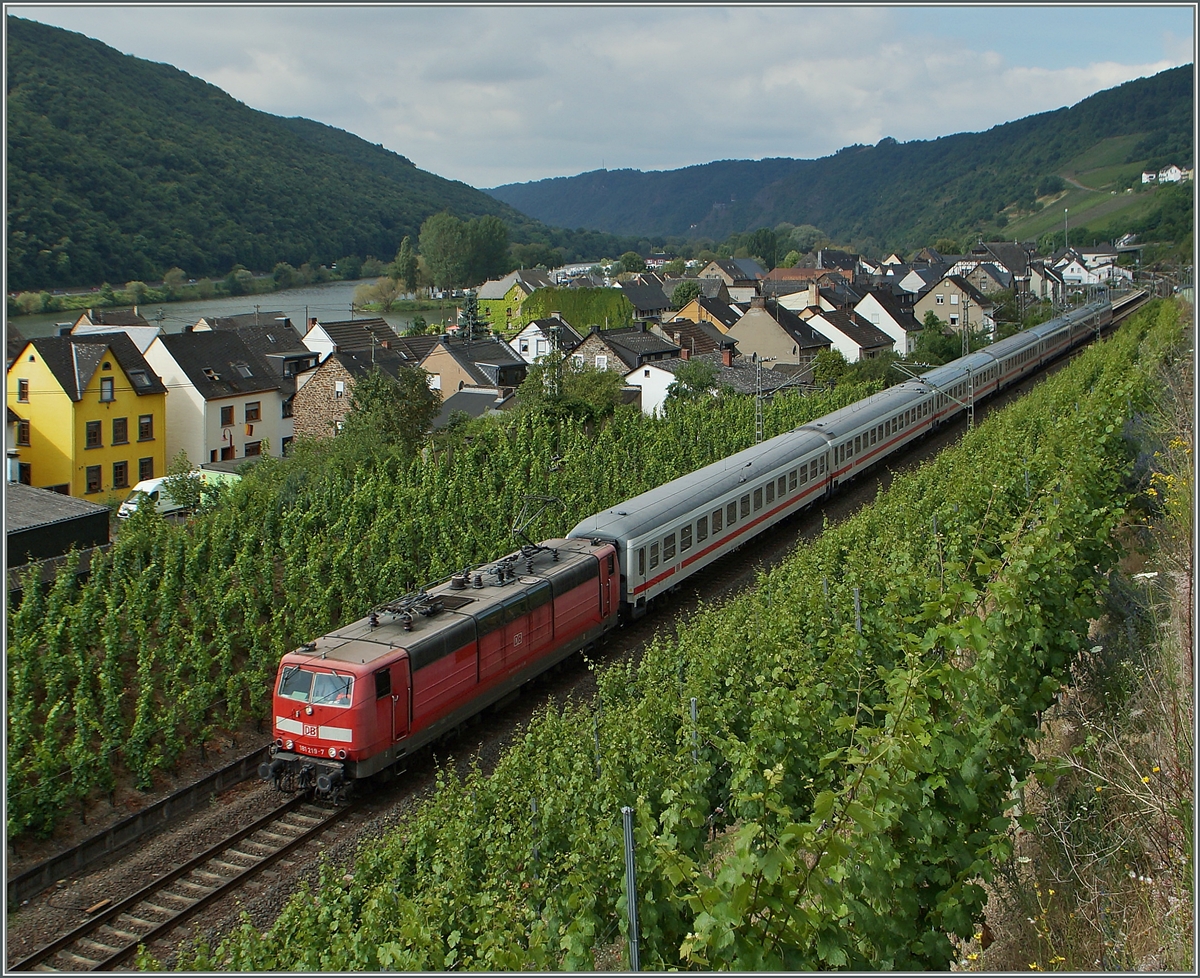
[(684, 354), (556, 315), (727, 356), (758, 302), (312, 323), (814, 294)]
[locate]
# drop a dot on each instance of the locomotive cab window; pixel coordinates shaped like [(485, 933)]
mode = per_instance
[(685, 538), (295, 683), (612, 563), (331, 690)]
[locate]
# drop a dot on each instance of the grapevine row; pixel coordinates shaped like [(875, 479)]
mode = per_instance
[(863, 723)]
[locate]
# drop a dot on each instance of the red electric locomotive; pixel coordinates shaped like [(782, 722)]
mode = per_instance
[(355, 701)]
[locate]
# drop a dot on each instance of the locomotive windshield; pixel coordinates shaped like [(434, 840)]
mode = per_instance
[(320, 688)]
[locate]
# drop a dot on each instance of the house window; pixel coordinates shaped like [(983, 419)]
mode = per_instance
[(93, 439), (577, 360), (25, 473), (120, 475), (120, 434), (22, 432), (140, 378), (287, 408), (23, 391), (243, 370), (524, 346), (253, 411), (953, 320), (93, 478), (106, 389), (601, 361), (146, 427), (253, 448), (145, 469), (339, 388), (940, 300), (646, 372), (227, 416), (953, 299), (226, 453)]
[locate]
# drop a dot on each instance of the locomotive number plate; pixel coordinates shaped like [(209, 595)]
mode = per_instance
[(310, 731)]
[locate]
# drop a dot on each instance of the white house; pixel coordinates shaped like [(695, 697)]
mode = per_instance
[(534, 341), (855, 337), (224, 401), (1170, 174), (885, 313)]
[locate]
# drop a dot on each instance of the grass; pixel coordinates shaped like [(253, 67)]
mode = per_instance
[(1106, 153), (1084, 206)]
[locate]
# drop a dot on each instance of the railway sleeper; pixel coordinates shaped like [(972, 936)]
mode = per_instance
[(128, 936), (262, 849), (157, 908), (190, 885), (90, 943), (89, 963), (217, 878), (279, 840), (141, 921), (232, 867)]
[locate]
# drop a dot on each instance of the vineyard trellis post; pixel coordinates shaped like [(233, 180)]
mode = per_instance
[(631, 889)]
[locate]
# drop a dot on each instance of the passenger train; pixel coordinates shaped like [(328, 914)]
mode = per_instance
[(357, 700)]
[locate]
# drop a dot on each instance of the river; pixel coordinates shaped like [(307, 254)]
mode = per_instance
[(329, 301)]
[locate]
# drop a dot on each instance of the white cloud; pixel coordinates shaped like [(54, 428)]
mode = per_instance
[(491, 94)]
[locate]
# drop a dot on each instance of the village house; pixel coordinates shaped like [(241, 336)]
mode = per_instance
[(956, 302), (710, 288), (710, 310), (454, 363), (694, 338), (542, 335), (777, 334), (740, 275), (500, 300), (882, 309), (851, 335), (91, 415), (648, 301), (137, 327), (225, 403), (621, 350), (349, 334)]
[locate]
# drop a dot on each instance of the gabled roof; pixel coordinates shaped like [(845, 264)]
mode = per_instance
[(860, 331), (897, 313), (697, 338), (360, 334), (1011, 255), (750, 268), (807, 337), (743, 270), (568, 335), (74, 360), (242, 319), (721, 312), (112, 317), (15, 342), (483, 359), (972, 293), (531, 279), (645, 298), (416, 348), (474, 403), (632, 344), (709, 287), (841, 260), (358, 363), (219, 364)]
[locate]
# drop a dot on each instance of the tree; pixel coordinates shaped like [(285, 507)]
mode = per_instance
[(584, 392), (806, 237), (790, 259), (417, 327), (684, 293), (174, 280), (391, 411), (675, 267), (383, 292), (829, 365), (1050, 184), (136, 291), (946, 246), (446, 250), (349, 268), (285, 276), (404, 268), (183, 483), (694, 380), (631, 261), (487, 238)]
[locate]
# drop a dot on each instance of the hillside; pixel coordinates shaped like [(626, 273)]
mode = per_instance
[(892, 195), (119, 168)]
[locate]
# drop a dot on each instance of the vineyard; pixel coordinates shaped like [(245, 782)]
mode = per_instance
[(176, 635), (824, 773)]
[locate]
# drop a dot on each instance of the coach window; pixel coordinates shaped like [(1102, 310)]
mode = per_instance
[(758, 499), (668, 547), (641, 561), (653, 555), (702, 529), (770, 487), (685, 538), (803, 474), (744, 505), (822, 465), (857, 444), (718, 522), (781, 486), (731, 514), (793, 477)]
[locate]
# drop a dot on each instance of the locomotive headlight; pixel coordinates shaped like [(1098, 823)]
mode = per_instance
[(341, 755), (333, 752), (308, 710), (287, 744)]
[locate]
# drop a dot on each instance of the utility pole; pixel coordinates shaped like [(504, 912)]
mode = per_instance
[(758, 395)]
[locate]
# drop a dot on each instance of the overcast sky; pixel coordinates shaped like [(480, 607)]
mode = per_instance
[(502, 94)]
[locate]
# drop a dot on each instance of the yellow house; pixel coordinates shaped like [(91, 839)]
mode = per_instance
[(93, 412), (500, 301)]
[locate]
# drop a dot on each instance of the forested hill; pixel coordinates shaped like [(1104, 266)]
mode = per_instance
[(119, 168), (892, 195)]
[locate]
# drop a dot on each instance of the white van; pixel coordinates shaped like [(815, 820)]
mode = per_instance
[(155, 490)]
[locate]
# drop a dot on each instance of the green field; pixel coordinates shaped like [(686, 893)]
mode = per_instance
[(1085, 207)]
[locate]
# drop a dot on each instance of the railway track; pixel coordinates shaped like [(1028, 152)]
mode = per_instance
[(114, 931)]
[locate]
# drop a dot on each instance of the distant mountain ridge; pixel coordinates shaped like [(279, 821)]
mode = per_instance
[(119, 168), (892, 195)]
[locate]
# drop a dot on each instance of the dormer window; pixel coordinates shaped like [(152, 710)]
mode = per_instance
[(140, 378), (211, 374)]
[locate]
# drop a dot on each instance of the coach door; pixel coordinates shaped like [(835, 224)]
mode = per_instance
[(608, 569)]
